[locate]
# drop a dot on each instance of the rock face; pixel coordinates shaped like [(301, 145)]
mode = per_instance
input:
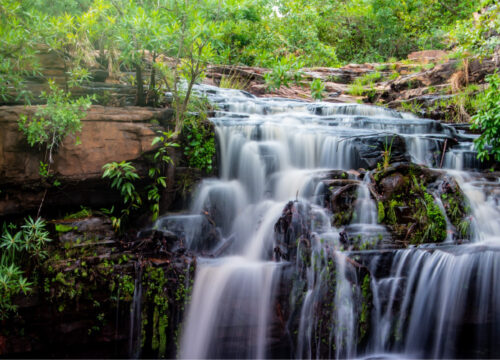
[(373, 149), (108, 134), (95, 290), (405, 197)]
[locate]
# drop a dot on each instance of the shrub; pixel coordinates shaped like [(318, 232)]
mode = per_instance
[(53, 122), (317, 89), (487, 119), (18, 249)]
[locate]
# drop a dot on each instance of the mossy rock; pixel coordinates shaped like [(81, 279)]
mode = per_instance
[(407, 204)]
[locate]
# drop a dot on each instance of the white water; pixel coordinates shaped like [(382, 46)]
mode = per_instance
[(273, 151)]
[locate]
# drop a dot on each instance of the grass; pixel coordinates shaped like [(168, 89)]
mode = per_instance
[(233, 81)]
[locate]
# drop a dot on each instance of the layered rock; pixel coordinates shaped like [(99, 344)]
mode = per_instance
[(108, 134)]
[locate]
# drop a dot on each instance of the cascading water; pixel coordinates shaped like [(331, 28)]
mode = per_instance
[(273, 155)]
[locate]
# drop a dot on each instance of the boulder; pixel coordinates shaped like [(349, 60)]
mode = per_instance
[(372, 149)]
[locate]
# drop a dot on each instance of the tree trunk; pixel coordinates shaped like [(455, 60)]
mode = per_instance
[(152, 84), (140, 101)]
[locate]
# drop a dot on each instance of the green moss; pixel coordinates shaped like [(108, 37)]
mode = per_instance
[(83, 213), (364, 318), (61, 228), (381, 211), (343, 217), (391, 213)]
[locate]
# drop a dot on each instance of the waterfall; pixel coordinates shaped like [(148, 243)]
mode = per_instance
[(274, 154), (432, 299), (135, 335)]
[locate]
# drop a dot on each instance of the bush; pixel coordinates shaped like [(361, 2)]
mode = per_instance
[(317, 89), (53, 122), (487, 119), (284, 71), (18, 249)]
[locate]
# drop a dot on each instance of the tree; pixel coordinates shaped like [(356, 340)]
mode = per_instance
[(188, 34), (17, 50)]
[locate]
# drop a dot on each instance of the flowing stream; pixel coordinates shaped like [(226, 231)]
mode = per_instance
[(426, 300)]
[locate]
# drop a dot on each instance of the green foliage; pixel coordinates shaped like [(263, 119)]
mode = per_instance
[(62, 228), (386, 154), (364, 85), (283, 72), (370, 78), (123, 176), (199, 144), (317, 89), (17, 50), (155, 283), (487, 120), (233, 81), (380, 212), (366, 294), (425, 222), (356, 89), (436, 222), (18, 250), (479, 35), (161, 160), (53, 122), (132, 35), (84, 212)]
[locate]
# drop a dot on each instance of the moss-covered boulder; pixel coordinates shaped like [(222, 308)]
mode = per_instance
[(415, 203)]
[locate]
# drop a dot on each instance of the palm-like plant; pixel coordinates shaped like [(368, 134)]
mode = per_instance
[(35, 236), (30, 241)]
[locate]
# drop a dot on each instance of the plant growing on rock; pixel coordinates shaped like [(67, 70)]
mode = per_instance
[(18, 250), (123, 175), (284, 71), (317, 89), (162, 159), (199, 145), (487, 120), (53, 122)]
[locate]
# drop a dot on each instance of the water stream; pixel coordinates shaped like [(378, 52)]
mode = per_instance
[(272, 151)]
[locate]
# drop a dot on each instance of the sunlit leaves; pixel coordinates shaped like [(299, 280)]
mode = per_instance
[(487, 119), (53, 122)]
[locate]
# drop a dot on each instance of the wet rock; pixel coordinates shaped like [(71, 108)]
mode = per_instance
[(391, 184), (373, 150), (407, 204), (292, 229)]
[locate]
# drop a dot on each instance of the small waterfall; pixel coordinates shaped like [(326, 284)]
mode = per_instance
[(345, 316), (430, 300), (238, 292), (366, 210), (135, 332)]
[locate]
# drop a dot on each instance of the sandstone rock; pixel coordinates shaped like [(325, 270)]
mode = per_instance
[(108, 134), (427, 55)]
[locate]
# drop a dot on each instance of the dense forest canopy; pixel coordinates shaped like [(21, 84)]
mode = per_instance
[(251, 32)]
